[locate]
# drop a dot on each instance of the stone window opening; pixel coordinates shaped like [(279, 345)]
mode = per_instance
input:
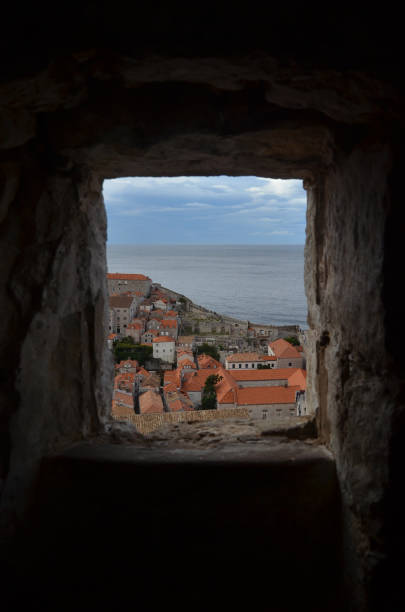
[(211, 340), (330, 117)]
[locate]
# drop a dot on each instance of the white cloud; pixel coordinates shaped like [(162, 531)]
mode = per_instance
[(275, 187), (240, 204), (223, 188)]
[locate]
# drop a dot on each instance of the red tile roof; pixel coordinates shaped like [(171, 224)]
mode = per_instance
[(276, 374), (182, 353), (187, 363), (124, 398), (127, 363), (249, 396), (169, 323), (298, 378), (163, 339), (172, 377), (150, 402), (226, 387), (177, 401), (120, 301), (126, 376), (284, 350), (206, 361), (195, 380), (241, 357)]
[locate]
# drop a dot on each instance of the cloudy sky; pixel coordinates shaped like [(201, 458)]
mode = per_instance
[(205, 210)]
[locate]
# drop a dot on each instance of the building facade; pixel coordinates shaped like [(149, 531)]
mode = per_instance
[(121, 283), (121, 312)]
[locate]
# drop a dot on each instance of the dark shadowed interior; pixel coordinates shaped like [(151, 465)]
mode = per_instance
[(93, 92)]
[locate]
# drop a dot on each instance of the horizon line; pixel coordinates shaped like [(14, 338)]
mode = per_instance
[(203, 244)]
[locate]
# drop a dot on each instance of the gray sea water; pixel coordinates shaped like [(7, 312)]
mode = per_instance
[(261, 283)]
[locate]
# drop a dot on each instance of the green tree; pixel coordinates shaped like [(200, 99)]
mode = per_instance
[(126, 349), (183, 302), (208, 349), (209, 394), (293, 340), (261, 366)]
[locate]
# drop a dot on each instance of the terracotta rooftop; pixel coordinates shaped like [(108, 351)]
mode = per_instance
[(120, 301), (169, 323), (120, 276), (127, 376), (150, 380), (206, 361), (177, 401), (127, 364), (150, 402), (172, 377), (276, 374), (298, 378), (195, 380), (187, 363), (236, 357), (225, 386), (182, 353), (283, 349), (124, 398), (163, 339), (250, 396)]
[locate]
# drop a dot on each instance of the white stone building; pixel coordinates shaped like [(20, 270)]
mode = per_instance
[(245, 361), (164, 348), (121, 312)]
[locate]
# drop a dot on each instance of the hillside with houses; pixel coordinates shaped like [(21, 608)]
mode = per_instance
[(248, 370)]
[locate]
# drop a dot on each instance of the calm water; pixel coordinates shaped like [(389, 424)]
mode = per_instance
[(264, 284)]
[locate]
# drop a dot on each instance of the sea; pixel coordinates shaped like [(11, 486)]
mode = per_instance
[(258, 283)]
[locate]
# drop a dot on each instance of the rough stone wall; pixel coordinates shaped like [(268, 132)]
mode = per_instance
[(148, 423), (56, 376), (352, 380), (272, 411)]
